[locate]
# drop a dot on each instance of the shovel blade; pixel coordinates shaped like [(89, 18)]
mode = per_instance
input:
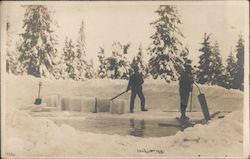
[(204, 107), (38, 101)]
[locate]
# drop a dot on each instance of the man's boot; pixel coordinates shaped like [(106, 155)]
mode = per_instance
[(144, 110), (183, 112)]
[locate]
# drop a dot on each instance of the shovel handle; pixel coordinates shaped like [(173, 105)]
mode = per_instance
[(40, 84), (198, 87), (118, 95)]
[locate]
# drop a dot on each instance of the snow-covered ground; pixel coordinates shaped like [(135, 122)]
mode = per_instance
[(27, 135)]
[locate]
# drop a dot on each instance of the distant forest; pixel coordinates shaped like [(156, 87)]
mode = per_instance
[(36, 54)]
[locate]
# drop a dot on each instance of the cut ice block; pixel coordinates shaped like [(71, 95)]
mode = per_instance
[(75, 104), (118, 107), (103, 105), (65, 103), (52, 101), (88, 105)]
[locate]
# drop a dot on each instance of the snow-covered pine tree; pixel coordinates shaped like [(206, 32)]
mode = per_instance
[(184, 55), (124, 64), (12, 64), (138, 61), (82, 65), (102, 69), (217, 69), (91, 72), (38, 41), (85, 67), (239, 78), (81, 55), (117, 63), (165, 49), (113, 61), (204, 72), (231, 71), (70, 60)]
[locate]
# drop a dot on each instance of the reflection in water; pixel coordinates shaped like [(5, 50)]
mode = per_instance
[(137, 127)]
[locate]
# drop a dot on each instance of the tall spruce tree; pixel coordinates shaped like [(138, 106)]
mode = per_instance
[(12, 64), (102, 69), (204, 72), (83, 66), (231, 71), (217, 69), (117, 63), (113, 61), (239, 79), (38, 46), (184, 55), (70, 60), (165, 49), (138, 61), (124, 64)]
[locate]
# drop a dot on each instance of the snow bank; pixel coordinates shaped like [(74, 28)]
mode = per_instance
[(22, 90), (218, 138), (33, 136), (29, 136)]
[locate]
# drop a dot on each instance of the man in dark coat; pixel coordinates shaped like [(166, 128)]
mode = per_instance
[(185, 87), (135, 84)]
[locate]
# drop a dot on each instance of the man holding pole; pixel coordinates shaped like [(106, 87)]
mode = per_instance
[(135, 84), (185, 87)]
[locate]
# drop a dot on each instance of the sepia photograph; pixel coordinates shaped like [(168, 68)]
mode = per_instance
[(124, 79)]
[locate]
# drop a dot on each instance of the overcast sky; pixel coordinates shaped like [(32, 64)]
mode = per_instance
[(105, 24)]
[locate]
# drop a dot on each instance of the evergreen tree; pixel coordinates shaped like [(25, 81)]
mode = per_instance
[(138, 61), (89, 69), (102, 69), (84, 68), (166, 46), (91, 72), (184, 55), (239, 79), (70, 60), (124, 64), (217, 69), (117, 64), (12, 64), (231, 71), (112, 67), (38, 46), (113, 61), (204, 72)]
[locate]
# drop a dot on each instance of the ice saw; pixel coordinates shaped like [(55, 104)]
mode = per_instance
[(203, 103)]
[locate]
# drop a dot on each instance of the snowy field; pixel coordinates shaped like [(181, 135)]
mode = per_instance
[(36, 135)]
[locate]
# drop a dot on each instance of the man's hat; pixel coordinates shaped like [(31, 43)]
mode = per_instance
[(188, 67), (135, 68)]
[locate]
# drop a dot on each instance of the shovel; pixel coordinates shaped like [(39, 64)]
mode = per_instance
[(38, 100)]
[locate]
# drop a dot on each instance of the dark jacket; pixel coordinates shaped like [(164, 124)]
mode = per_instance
[(135, 82), (185, 83)]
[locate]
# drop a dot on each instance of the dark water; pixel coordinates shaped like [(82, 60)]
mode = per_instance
[(139, 128)]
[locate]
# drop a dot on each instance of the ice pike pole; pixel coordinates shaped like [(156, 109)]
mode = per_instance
[(118, 95), (203, 104)]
